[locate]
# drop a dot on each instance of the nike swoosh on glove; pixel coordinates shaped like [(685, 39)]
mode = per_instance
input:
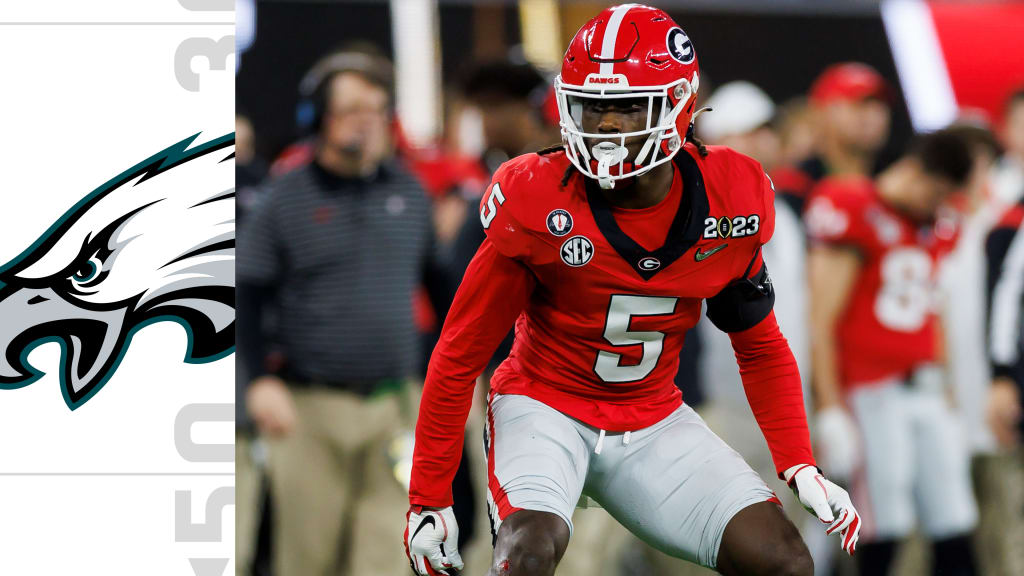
[(830, 503), (432, 542)]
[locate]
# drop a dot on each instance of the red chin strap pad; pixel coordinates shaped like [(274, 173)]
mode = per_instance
[(613, 170)]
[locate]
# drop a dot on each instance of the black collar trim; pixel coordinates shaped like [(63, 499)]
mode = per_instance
[(682, 235)]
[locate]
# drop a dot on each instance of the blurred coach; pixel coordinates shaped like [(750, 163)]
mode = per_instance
[(334, 254)]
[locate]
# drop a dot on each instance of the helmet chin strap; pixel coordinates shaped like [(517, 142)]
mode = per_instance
[(603, 177), (699, 112), (606, 154)]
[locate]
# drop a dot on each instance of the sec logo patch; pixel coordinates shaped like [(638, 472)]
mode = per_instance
[(559, 222), (577, 251)]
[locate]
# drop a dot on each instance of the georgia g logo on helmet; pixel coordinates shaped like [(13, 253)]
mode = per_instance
[(155, 243), (679, 45)]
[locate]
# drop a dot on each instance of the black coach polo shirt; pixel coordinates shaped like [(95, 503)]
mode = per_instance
[(343, 258)]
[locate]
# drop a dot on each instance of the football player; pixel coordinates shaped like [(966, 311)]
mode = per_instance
[(1005, 259), (600, 253), (851, 103), (883, 416)]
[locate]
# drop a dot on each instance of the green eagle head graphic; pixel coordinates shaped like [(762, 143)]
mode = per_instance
[(155, 243)]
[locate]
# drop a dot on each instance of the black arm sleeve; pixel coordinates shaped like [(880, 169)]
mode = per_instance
[(745, 302)]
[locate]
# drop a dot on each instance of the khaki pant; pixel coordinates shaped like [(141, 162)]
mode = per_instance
[(248, 478), (999, 482), (338, 508)]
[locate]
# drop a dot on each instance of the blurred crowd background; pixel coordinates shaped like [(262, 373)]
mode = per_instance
[(366, 135)]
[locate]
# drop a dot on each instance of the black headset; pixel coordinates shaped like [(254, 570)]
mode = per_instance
[(314, 87)]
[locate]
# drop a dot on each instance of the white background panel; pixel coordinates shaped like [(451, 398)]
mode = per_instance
[(116, 11), (106, 526), (81, 104)]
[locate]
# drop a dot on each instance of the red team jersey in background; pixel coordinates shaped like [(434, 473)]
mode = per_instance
[(599, 319), (890, 324)]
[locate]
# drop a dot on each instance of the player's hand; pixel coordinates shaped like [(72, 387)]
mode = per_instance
[(830, 503), (271, 406), (432, 542), (1004, 411), (839, 440)]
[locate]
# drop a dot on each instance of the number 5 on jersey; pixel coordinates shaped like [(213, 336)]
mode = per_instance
[(488, 212), (621, 310)]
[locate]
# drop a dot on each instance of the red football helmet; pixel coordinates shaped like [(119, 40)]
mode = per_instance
[(627, 51)]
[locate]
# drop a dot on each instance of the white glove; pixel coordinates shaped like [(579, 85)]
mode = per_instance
[(432, 542), (830, 503), (839, 440)]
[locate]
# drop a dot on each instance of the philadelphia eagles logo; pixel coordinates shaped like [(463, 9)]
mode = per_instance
[(155, 243)]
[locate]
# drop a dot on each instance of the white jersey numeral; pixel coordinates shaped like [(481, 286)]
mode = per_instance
[(488, 212), (621, 309), (904, 299)]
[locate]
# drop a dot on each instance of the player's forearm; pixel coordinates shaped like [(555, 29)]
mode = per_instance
[(832, 271), (441, 430), (825, 371), (494, 291), (459, 357), (467, 342), (771, 381)]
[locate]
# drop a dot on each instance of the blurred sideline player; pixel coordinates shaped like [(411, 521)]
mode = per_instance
[(601, 254), (1004, 249), (797, 130), (1005, 256), (850, 102), (963, 282), (876, 349), (1008, 186), (337, 245), (506, 99), (741, 119)]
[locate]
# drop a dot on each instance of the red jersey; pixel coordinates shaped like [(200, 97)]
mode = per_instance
[(601, 339), (600, 319), (890, 324)]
